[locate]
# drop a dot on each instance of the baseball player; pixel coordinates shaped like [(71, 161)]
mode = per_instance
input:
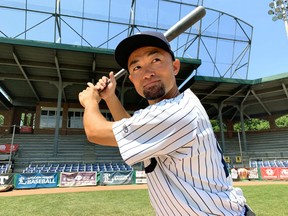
[(186, 173)]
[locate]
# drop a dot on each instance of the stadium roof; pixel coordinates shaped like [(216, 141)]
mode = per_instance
[(31, 72), (257, 98)]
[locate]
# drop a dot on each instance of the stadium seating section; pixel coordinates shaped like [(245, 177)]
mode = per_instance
[(76, 167), (73, 153), (268, 163), (4, 168)]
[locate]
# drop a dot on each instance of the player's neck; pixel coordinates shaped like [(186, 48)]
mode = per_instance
[(174, 92)]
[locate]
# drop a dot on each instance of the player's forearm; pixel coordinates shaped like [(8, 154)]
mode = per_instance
[(98, 130), (116, 108)]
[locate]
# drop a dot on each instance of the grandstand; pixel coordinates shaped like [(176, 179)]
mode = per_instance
[(269, 145), (39, 148), (36, 152), (49, 72)]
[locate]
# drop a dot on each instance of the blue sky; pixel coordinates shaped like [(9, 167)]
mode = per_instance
[(269, 52), (269, 43)]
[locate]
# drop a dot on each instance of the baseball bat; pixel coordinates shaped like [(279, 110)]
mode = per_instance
[(177, 29)]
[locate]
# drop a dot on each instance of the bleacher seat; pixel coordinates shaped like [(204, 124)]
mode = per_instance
[(4, 168), (76, 167), (253, 164), (268, 163)]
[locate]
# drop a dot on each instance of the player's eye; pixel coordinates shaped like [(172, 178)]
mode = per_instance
[(156, 60), (136, 68)]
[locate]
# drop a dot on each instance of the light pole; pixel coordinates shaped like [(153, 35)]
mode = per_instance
[(279, 10)]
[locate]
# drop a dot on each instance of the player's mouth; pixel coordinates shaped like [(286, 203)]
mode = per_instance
[(150, 83)]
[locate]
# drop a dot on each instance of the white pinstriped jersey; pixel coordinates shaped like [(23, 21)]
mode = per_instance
[(189, 178)]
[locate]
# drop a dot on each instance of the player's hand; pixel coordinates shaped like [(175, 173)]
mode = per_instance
[(89, 96), (106, 87)]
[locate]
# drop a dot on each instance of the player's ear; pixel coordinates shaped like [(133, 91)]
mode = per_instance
[(176, 66), (130, 78)]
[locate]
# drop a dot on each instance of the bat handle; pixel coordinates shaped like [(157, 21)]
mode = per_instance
[(119, 74)]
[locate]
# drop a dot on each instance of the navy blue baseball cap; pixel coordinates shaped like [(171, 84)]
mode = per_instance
[(140, 39)]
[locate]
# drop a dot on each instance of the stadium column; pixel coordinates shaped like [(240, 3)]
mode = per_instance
[(220, 107), (243, 127), (272, 122), (56, 133)]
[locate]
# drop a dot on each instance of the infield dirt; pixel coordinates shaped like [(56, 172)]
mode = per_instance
[(114, 187)]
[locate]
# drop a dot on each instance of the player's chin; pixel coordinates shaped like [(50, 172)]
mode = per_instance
[(154, 92)]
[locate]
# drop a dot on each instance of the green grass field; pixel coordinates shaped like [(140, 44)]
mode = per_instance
[(266, 200)]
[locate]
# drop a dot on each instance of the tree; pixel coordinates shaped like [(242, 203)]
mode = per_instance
[(1, 120), (282, 121), (253, 124), (216, 125)]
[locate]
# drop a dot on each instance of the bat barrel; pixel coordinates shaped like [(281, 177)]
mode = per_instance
[(185, 23)]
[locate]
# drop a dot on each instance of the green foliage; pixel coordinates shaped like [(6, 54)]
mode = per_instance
[(1, 120), (252, 125), (282, 121), (216, 125)]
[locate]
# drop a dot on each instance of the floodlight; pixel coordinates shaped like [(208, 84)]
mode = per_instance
[(279, 8), (280, 16), (270, 12), (274, 18), (271, 4), (279, 2)]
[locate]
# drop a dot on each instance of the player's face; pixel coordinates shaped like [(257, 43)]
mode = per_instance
[(152, 71)]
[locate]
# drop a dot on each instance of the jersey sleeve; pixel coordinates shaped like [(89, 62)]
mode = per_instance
[(157, 130)]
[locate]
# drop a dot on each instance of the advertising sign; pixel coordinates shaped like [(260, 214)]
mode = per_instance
[(68, 179), (269, 173), (234, 174), (140, 177), (283, 173), (6, 182), (35, 180), (253, 173), (117, 178), (6, 148)]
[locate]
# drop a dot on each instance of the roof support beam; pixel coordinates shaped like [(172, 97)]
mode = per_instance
[(93, 71), (285, 89), (211, 91), (25, 75), (237, 91), (259, 100), (4, 105), (60, 78)]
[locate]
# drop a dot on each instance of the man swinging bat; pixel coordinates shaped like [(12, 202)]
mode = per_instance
[(186, 173)]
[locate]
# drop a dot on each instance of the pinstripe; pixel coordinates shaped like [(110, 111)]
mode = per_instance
[(162, 188), (163, 196), (154, 116), (172, 142), (189, 178)]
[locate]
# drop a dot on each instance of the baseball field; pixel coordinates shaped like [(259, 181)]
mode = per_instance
[(266, 199)]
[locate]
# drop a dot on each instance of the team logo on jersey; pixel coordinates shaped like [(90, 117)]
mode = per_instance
[(125, 129)]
